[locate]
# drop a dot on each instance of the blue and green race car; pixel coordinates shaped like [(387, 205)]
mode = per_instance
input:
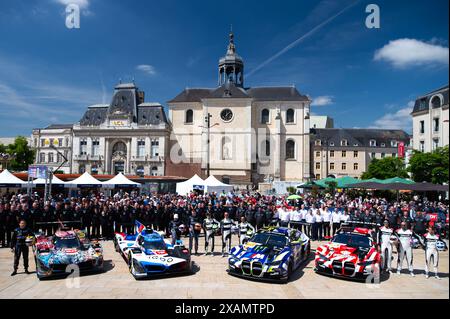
[(273, 253)]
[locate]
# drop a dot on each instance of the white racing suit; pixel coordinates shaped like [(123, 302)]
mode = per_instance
[(431, 252), (386, 246), (405, 249), (209, 232), (225, 227), (243, 229)]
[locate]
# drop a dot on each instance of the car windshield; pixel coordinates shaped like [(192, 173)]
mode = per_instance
[(352, 240), (154, 245), (267, 239), (70, 242)]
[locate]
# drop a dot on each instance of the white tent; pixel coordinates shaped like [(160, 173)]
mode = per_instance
[(121, 181), (86, 180), (212, 184), (186, 187), (55, 181), (9, 180)]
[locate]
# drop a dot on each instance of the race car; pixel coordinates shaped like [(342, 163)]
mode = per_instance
[(65, 252), (272, 253), (148, 254), (352, 253)]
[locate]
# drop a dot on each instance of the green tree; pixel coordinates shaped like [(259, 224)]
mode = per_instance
[(430, 167), (384, 168), (24, 156), (331, 187)]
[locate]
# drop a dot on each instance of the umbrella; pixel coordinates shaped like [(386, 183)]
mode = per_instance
[(346, 181), (397, 180), (294, 197)]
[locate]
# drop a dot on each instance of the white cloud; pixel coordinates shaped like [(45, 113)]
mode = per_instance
[(322, 100), (400, 119), (146, 68), (403, 53)]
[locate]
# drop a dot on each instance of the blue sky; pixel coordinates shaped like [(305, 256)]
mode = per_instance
[(361, 77)]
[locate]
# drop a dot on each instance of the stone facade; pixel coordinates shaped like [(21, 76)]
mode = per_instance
[(256, 134), (430, 121)]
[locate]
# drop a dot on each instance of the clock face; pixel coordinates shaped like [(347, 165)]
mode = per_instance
[(226, 115)]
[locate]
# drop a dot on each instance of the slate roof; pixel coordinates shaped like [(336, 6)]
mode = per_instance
[(280, 93), (59, 126), (423, 102), (359, 137), (151, 115), (94, 116)]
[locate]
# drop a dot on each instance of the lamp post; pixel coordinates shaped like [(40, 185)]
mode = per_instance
[(208, 127)]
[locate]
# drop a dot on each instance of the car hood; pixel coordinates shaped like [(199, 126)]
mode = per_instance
[(67, 256), (257, 252), (337, 251)]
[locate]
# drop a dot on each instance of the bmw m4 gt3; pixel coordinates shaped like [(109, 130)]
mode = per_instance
[(273, 253)]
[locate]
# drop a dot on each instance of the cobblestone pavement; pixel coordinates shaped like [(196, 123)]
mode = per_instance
[(210, 280)]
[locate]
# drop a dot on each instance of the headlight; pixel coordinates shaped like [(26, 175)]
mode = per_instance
[(323, 258), (138, 267), (367, 263), (276, 263)]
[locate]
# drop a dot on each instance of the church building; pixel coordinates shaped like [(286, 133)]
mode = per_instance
[(242, 135)]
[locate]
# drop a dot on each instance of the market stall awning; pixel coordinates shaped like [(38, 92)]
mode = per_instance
[(212, 184), (41, 181), (9, 180), (86, 181), (119, 181)]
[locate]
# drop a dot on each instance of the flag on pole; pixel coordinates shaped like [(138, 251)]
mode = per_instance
[(139, 226)]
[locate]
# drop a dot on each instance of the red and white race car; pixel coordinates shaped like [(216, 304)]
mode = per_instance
[(352, 253)]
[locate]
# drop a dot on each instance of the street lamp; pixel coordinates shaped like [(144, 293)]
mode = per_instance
[(208, 127)]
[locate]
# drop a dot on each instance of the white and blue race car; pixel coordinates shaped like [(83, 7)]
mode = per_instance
[(148, 254)]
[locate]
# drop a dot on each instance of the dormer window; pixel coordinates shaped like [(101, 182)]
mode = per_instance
[(436, 102), (344, 142), (331, 143), (394, 143), (373, 143), (318, 142), (383, 144)]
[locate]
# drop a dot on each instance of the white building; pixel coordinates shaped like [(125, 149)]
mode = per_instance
[(127, 135), (257, 134), (53, 146), (430, 120)]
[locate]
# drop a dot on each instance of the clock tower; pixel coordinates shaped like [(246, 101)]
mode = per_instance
[(231, 66)]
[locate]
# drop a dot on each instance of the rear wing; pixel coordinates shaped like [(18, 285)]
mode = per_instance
[(361, 228)]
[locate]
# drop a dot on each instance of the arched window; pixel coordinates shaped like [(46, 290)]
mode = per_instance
[(120, 147), (290, 116), (265, 116), (189, 117), (226, 148), (436, 102), (154, 171), (266, 147), (290, 149), (140, 170)]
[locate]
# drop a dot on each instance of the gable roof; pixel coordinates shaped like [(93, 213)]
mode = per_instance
[(229, 90)]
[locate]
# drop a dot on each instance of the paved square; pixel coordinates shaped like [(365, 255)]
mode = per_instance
[(211, 281)]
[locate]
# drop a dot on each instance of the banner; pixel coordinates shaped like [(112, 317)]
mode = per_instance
[(38, 171), (401, 150)]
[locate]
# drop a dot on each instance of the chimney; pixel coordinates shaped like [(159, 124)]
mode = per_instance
[(141, 96)]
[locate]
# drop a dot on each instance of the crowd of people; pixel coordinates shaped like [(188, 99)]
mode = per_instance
[(225, 213)]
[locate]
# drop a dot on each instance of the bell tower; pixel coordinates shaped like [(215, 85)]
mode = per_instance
[(231, 66)]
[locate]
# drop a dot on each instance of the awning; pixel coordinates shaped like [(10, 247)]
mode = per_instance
[(9, 180)]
